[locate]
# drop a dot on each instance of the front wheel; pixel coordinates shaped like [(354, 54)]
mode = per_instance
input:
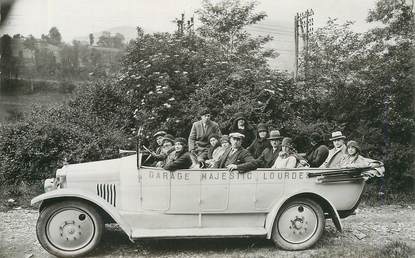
[(69, 228), (299, 224)]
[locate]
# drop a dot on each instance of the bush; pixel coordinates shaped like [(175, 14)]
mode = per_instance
[(78, 131)]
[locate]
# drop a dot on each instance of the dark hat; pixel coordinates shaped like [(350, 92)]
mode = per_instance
[(287, 142), (354, 144), (239, 116), (214, 136), (236, 135), (337, 135), (224, 138), (316, 137), (168, 137), (181, 140), (204, 111), (274, 134), (262, 127), (159, 133)]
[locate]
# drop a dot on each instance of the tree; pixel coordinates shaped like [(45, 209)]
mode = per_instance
[(30, 43), (118, 40), (7, 61), (91, 39), (164, 72), (45, 62), (224, 23), (107, 40), (54, 36)]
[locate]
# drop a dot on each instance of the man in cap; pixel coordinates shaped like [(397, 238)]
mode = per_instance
[(159, 135), (237, 157), (269, 155), (159, 139), (199, 134), (337, 153), (166, 149), (318, 153)]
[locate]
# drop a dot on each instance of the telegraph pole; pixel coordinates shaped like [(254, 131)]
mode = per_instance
[(183, 26), (304, 21), (296, 47)]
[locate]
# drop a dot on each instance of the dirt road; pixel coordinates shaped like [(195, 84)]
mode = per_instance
[(365, 235)]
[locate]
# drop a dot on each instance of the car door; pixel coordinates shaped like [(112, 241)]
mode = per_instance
[(155, 189), (184, 191), (214, 190), (242, 188), (269, 188)]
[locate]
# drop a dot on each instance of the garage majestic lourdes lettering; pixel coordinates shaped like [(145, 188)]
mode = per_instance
[(225, 175)]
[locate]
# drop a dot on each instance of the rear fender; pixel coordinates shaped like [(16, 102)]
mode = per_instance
[(83, 195), (326, 205)]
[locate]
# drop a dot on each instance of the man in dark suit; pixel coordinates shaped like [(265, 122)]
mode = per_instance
[(237, 157), (199, 135), (269, 155)]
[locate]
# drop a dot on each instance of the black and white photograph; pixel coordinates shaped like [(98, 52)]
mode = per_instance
[(207, 128)]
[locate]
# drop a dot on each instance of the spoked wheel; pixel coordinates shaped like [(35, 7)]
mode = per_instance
[(299, 225), (69, 228)]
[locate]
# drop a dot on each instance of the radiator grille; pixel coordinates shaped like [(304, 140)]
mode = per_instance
[(107, 192)]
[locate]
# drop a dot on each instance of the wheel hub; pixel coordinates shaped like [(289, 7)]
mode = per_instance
[(297, 223), (70, 229)]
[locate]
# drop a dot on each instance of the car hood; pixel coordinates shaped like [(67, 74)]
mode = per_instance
[(96, 170)]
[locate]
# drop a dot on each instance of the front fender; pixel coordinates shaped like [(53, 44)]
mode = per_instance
[(83, 195), (270, 219)]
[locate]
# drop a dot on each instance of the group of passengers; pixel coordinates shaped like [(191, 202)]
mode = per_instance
[(244, 149)]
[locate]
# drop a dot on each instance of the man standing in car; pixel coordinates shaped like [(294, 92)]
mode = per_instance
[(199, 135)]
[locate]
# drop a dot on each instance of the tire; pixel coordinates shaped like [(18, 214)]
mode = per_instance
[(69, 228), (299, 225)]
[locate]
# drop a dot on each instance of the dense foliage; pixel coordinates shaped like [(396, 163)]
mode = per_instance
[(364, 83), (361, 83)]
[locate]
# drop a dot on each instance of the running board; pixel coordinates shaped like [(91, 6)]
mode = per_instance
[(197, 232)]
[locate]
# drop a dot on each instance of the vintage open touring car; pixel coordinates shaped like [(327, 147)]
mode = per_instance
[(289, 206)]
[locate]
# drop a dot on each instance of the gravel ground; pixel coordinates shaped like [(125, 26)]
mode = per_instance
[(363, 236)]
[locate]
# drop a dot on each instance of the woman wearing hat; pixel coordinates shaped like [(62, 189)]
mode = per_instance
[(242, 126), (261, 142), (354, 159), (180, 158), (218, 147), (287, 158)]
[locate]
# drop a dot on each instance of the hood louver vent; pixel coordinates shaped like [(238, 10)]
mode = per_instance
[(107, 192)]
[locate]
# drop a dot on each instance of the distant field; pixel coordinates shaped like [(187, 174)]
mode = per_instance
[(12, 104)]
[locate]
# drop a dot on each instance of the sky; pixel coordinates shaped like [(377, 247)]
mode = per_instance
[(78, 18)]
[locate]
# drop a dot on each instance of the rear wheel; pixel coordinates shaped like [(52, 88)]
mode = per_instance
[(299, 224), (69, 228)]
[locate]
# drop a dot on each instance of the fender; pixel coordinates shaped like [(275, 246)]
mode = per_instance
[(269, 221), (79, 194)]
